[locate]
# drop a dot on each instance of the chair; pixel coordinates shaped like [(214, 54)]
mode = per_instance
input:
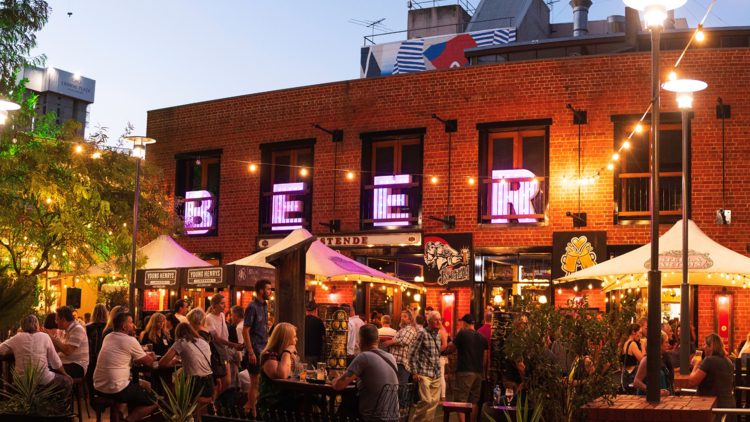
[(114, 411), (79, 385), (455, 407)]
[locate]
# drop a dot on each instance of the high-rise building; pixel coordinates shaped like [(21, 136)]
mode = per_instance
[(69, 95)]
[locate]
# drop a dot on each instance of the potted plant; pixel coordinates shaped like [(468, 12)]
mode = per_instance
[(30, 400), (180, 406)]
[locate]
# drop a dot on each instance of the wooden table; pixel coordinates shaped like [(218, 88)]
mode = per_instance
[(636, 408), (311, 388), (681, 381)]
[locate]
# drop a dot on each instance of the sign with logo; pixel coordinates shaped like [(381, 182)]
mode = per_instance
[(247, 276), (724, 316), (205, 277), (283, 207), (447, 259), (672, 260), (385, 203), (160, 279), (359, 241), (200, 207), (576, 251), (521, 199)]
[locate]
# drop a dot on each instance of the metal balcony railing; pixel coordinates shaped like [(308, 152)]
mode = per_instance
[(635, 194)]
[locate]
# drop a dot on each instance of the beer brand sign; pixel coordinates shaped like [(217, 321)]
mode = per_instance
[(672, 260), (447, 259), (205, 277), (160, 278), (577, 250)]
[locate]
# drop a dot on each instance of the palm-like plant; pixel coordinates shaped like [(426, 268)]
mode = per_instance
[(522, 413), (180, 406), (28, 396)]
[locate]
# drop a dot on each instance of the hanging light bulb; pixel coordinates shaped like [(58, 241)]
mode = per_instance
[(709, 275), (371, 284), (615, 156), (606, 299), (303, 171), (575, 288), (471, 180), (350, 175), (626, 145), (198, 161), (252, 167), (559, 291), (417, 297), (408, 293), (610, 166), (434, 179), (590, 286), (673, 76), (639, 128), (699, 35)]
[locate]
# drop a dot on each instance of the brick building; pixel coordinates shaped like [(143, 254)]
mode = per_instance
[(516, 143)]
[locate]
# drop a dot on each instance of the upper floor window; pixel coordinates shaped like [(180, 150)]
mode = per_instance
[(286, 186), (392, 180), (514, 164), (198, 180), (632, 184)]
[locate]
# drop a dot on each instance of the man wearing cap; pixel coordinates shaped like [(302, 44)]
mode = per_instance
[(315, 335), (471, 369)]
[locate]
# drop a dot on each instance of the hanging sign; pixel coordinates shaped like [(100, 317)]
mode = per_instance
[(205, 277), (521, 199), (200, 207), (672, 260), (160, 279), (359, 241), (385, 202), (724, 315), (576, 251), (447, 259), (283, 207)]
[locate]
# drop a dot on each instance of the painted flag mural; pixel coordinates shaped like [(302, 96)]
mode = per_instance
[(420, 54)]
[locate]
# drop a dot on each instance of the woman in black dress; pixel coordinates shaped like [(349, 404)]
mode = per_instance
[(156, 334)]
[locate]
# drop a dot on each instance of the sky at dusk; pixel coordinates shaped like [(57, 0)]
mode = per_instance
[(146, 55)]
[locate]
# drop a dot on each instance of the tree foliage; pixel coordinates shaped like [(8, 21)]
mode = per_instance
[(585, 333), (19, 20), (66, 202), (17, 295)]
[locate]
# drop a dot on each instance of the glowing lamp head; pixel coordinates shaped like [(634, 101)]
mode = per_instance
[(684, 89), (252, 167), (417, 297), (350, 175), (471, 180), (542, 299), (139, 145), (498, 298), (303, 171), (699, 36), (434, 180), (654, 11)]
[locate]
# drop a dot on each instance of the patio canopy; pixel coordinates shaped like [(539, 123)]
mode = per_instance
[(322, 261), (709, 263), (162, 252)]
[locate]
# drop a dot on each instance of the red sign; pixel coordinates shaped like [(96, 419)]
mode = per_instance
[(723, 317)]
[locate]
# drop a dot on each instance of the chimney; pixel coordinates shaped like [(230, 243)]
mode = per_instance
[(669, 21), (580, 17)]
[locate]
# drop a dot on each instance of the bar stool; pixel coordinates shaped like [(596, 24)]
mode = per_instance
[(79, 384), (451, 407), (114, 412)]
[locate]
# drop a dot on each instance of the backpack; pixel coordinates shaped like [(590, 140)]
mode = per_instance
[(219, 357)]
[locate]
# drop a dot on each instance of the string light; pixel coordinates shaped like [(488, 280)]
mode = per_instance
[(673, 76), (350, 175), (471, 180), (49, 200), (78, 148), (434, 179), (699, 35), (303, 171), (252, 167)]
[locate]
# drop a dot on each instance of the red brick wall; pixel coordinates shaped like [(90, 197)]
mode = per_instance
[(602, 85), (344, 293), (595, 297), (151, 300)]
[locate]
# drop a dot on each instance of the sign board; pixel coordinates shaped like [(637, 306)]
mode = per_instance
[(502, 196), (447, 259), (577, 250), (205, 277), (158, 279), (358, 240), (60, 82), (672, 260), (200, 212), (283, 208)]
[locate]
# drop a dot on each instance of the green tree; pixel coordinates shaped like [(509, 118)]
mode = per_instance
[(17, 295), (19, 20)]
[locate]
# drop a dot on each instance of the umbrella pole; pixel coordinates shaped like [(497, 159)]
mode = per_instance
[(685, 288)]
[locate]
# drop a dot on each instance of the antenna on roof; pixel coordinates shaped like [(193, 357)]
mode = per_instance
[(371, 24), (551, 4)]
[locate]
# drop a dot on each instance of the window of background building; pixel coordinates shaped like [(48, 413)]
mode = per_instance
[(286, 186), (501, 152), (199, 171), (392, 171), (532, 270), (632, 184)]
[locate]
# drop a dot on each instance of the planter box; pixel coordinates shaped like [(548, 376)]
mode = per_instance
[(33, 418)]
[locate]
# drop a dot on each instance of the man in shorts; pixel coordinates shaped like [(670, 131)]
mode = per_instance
[(255, 334), (472, 365)]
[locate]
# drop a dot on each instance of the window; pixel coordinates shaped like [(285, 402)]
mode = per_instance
[(198, 181), (532, 271), (632, 184), (392, 180), (514, 164), (286, 186)]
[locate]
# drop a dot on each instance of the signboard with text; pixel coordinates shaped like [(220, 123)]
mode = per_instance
[(205, 277), (358, 240), (447, 259), (167, 278)]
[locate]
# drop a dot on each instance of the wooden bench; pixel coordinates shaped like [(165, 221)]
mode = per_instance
[(455, 407)]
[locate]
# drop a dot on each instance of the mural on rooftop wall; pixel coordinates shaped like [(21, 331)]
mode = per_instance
[(421, 54)]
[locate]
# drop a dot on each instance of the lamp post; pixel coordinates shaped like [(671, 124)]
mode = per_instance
[(5, 107), (139, 152), (684, 89), (655, 12)]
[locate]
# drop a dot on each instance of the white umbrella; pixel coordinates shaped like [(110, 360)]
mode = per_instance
[(162, 252), (709, 263), (321, 260)]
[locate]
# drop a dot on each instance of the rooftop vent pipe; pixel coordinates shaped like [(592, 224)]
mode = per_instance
[(615, 24), (580, 17)]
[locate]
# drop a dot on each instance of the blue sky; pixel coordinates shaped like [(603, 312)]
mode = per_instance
[(146, 55)]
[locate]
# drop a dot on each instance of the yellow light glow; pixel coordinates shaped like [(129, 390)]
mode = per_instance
[(49, 200), (542, 299), (303, 171), (559, 291), (408, 293), (371, 284), (96, 155), (606, 299), (575, 288), (672, 76), (78, 148), (590, 286), (615, 157), (471, 180), (626, 145), (417, 297), (610, 166), (252, 167), (350, 175), (700, 36), (639, 128), (434, 179), (498, 298)]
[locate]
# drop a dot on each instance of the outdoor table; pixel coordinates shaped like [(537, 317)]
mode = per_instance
[(497, 413), (635, 408), (312, 388), (681, 381)]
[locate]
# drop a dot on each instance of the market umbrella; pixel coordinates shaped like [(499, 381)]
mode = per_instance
[(709, 263), (321, 260), (162, 252)]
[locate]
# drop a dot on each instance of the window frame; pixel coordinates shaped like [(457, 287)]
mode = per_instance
[(487, 133), (184, 163)]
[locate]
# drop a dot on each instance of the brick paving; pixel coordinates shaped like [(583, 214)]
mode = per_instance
[(635, 408)]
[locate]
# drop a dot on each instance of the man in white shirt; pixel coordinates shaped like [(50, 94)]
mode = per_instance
[(32, 345), (180, 310), (238, 319), (73, 344), (352, 343), (385, 333), (112, 373)]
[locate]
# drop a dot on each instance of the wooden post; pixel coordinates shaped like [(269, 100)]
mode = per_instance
[(290, 266)]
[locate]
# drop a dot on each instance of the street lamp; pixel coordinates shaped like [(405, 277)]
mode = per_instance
[(655, 12), (684, 89), (139, 152), (5, 107)]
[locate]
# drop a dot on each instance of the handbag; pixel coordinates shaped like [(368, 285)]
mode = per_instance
[(219, 358), (628, 378)]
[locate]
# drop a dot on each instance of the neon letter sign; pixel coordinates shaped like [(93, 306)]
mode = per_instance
[(383, 200), (501, 196), (282, 205), (199, 211)]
